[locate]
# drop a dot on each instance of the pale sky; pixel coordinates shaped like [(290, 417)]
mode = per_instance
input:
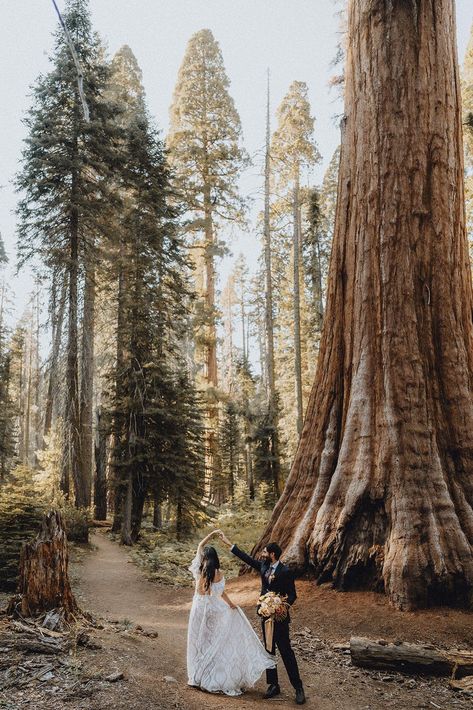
[(296, 39)]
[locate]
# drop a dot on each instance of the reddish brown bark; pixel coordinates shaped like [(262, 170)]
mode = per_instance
[(44, 582), (381, 491)]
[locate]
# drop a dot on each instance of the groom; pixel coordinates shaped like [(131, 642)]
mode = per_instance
[(275, 577)]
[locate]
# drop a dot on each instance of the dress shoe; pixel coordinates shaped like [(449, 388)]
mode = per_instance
[(300, 696), (272, 691)]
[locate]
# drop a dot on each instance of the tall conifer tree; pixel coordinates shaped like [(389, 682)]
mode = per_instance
[(207, 156), (64, 186), (293, 148)]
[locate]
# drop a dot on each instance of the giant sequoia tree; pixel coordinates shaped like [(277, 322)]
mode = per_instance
[(207, 156), (381, 491)]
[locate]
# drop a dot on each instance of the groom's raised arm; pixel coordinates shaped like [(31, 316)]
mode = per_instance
[(252, 561), (247, 559)]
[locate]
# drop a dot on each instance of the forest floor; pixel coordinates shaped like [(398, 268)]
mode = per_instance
[(132, 610), (112, 587)]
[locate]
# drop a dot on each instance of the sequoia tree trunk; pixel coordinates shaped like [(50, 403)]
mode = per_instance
[(380, 495)]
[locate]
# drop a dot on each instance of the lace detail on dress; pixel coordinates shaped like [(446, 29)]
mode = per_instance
[(195, 565), (224, 654)]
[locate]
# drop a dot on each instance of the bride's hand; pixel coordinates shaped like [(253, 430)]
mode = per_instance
[(225, 539)]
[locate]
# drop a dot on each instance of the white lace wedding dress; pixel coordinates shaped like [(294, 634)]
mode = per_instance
[(224, 654)]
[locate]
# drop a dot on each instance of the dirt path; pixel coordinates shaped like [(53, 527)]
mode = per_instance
[(112, 587)]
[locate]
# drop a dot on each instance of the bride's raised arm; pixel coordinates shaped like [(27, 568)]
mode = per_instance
[(205, 540), (195, 564)]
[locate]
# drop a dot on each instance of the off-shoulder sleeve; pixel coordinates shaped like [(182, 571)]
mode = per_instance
[(195, 565)]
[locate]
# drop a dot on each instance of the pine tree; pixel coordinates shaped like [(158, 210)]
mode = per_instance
[(65, 196), (228, 308), (3, 254), (57, 309), (7, 442), (125, 90), (155, 415), (328, 205), (230, 443), (246, 395), (6, 404), (293, 148), (265, 456), (185, 462), (268, 364), (207, 157), (240, 275)]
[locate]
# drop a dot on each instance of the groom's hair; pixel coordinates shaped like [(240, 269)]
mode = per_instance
[(274, 547)]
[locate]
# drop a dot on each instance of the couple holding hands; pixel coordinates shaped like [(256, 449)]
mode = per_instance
[(224, 655)]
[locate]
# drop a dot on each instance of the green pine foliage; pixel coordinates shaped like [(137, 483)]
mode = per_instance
[(7, 413), (184, 457), (66, 161), (165, 560), (3, 254), (66, 204), (156, 421), (128, 233), (264, 454), (230, 446)]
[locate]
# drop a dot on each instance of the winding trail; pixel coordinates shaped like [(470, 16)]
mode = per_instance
[(114, 588)]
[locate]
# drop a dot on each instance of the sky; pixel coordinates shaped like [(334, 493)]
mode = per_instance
[(295, 39)]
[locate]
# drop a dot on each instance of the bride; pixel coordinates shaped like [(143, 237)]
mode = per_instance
[(224, 655)]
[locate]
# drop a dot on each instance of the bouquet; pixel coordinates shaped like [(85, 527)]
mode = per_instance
[(272, 607)]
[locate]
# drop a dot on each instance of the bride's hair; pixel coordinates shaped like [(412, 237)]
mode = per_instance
[(209, 565)]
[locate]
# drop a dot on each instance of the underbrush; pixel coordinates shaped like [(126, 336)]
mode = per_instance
[(166, 559)]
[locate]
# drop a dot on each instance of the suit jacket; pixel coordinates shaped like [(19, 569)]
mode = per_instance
[(282, 582)]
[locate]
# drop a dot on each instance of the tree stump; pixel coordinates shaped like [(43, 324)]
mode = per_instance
[(44, 581)]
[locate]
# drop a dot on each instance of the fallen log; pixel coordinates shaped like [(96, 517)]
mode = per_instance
[(410, 658), (28, 644)]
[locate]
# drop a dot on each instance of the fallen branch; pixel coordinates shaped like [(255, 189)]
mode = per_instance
[(100, 524)]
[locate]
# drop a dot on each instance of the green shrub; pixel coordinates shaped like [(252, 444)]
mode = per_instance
[(76, 523), (166, 560)]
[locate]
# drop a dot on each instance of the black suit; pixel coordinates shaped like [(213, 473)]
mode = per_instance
[(282, 583)]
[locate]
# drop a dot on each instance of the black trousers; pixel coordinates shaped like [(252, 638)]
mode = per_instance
[(282, 642)]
